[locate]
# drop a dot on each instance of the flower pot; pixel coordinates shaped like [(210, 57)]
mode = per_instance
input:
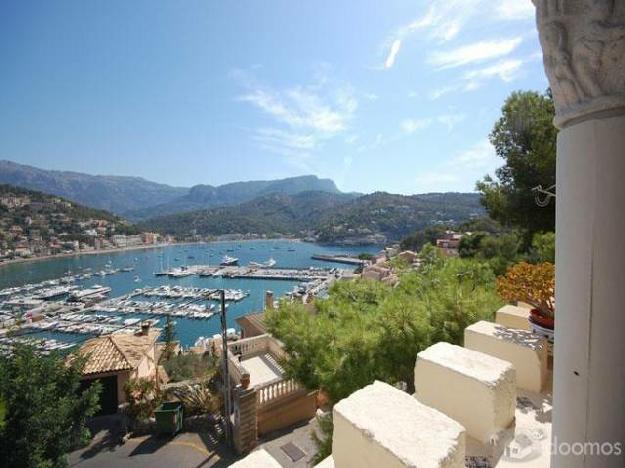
[(542, 325), (541, 320)]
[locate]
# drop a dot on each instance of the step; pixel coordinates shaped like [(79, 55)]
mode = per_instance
[(258, 459), (381, 426), (526, 351), (475, 389)]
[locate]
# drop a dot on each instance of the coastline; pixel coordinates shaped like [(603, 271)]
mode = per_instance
[(17, 261)]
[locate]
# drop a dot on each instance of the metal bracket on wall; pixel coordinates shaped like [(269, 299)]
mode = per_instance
[(543, 196)]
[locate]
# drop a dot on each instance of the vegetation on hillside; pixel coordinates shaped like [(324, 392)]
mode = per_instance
[(46, 216), (331, 217), (366, 330)]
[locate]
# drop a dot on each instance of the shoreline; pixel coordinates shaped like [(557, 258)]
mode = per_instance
[(18, 261)]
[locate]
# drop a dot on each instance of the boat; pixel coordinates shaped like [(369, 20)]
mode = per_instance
[(95, 290), (229, 261), (127, 269), (268, 264), (137, 278)]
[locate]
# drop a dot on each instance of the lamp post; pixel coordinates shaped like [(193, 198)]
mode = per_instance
[(225, 374)]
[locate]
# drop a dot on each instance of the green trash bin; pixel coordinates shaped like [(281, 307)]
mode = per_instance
[(169, 417)]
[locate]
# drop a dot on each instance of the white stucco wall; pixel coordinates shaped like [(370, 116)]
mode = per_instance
[(381, 426), (475, 389), (525, 350), (513, 317)]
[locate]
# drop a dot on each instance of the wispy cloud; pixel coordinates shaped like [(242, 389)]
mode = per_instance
[(461, 171), (506, 70), (473, 53), (515, 9), (449, 121), (392, 53), (412, 125), (442, 21), (304, 116)]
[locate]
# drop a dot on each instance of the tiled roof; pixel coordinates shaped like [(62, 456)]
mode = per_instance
[(121, 351), (257, 321)]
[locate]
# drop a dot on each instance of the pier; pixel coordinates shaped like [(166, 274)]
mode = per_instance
[(339, 259)]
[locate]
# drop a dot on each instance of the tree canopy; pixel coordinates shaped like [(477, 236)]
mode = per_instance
[(45, 408), (525, 138), (366, 330)]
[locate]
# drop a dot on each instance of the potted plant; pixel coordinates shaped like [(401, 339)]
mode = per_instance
[(535, 285)]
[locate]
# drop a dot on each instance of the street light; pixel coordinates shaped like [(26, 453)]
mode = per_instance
[(226, 377)]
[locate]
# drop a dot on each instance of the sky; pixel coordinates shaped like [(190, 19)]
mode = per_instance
[(398, 96)]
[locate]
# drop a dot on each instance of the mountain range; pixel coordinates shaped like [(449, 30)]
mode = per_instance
[(136, 198), (306, 205)]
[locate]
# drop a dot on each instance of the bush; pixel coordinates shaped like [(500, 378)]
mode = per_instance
[(142, 397), (190, 366)]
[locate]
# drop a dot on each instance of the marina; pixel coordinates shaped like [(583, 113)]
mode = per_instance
[(68, 300)]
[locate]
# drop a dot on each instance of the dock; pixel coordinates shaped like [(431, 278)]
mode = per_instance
[(339, 259)]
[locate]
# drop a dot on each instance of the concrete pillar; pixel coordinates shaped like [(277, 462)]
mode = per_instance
[(245, 427), (583, 45)]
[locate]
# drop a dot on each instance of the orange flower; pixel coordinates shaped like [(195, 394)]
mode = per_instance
[(533, 284)]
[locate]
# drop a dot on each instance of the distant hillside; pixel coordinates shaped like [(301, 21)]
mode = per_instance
[(395, 216), (329, 217), (208, 196), (113, 193), (267, 214), (36, 223)]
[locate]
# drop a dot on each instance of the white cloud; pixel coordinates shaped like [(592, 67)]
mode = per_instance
[(412, 125), (450, 120), (462, 171), (304, 116), (480, 156), (473, 53), (409, 126), (351, 139), (506, 70), (392, 53), (515, 9)]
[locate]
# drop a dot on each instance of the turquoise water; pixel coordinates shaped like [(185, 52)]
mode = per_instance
[(291, 254)]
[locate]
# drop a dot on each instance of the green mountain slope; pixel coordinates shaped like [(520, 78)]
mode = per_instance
[(329, 217)]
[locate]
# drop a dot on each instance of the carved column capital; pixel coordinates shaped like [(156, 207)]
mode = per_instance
[(583, 44)]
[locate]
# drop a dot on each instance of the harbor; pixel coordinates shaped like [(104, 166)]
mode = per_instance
[(97, 295)]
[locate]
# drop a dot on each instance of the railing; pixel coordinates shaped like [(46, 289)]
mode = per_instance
[(235, 369), (252, 345), (274, 391)]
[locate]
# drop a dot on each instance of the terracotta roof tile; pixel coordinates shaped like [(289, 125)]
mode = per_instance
[(121, 351)]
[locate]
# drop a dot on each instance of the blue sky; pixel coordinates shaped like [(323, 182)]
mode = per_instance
[(395, 95)]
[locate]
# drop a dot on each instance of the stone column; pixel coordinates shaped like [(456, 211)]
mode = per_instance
[(583, 45), (245, 430)]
